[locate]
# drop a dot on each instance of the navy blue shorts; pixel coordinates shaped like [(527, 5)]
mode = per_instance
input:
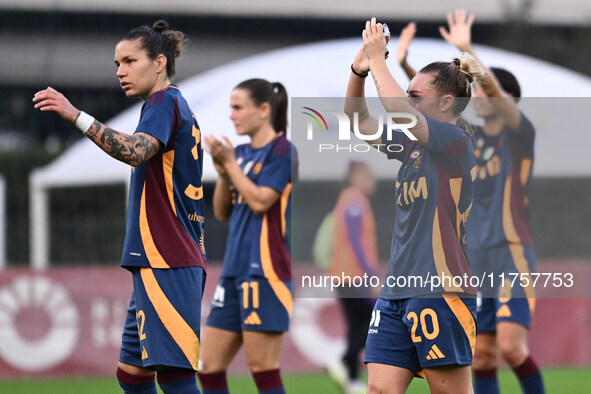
[(417, 333), (491, 311), (251, 304), (163, 321), (508, 300)]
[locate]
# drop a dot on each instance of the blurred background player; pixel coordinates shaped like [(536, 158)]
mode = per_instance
[(163, 248), (252, 302), (415, 329), (498, 232), (355, 253)]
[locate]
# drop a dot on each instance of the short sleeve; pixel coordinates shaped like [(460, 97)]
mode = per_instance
[(395, 147), (447, 139), (157, 117), (276, 170)]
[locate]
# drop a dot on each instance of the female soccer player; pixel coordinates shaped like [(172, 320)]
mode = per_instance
[(498, 232), (419, 325), (163, 247), (252, 302)]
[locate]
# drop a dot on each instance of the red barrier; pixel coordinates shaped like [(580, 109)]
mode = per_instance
[(68, 321)]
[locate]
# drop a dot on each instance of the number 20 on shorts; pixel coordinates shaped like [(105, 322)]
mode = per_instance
[(428, 332)]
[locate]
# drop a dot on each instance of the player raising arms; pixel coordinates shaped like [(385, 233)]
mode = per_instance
[(163, 247), (252, 302), (415, 329), (498, 232)]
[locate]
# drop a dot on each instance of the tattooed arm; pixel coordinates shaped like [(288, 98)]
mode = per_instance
[(130, 149)]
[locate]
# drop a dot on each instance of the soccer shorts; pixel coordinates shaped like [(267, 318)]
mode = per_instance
[(162, 327), (503, 263), (491, 311), (251, 304), (417, 333), (507, 300)]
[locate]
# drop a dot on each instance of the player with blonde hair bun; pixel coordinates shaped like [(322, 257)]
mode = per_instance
[(424, 330)]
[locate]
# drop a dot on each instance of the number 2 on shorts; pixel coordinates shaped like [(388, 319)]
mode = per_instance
[(141, 320), (429, 334), (254, 286)]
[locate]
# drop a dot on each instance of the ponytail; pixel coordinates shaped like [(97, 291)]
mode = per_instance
[(280, 111)]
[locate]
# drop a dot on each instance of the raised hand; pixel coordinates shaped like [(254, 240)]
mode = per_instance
[(374, 41), (361, 62), (406, 36), (460, 26)]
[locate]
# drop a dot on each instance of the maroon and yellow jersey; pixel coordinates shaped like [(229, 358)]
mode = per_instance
[(433, 198), (501, 188), (258, 244), (165, 215)]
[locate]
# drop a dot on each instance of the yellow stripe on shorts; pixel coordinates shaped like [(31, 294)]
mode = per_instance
[(464, 316), (178, 328)]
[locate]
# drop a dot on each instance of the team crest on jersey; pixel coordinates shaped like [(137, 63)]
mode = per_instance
[(480, 143), (416, 156), (247, 167), (488, 153), (257, 168)]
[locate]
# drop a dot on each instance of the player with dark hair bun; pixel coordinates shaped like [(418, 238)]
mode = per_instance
[(157, 40), (164, 247), (253, 301)]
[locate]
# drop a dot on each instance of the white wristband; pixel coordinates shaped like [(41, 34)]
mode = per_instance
[(83, 122)]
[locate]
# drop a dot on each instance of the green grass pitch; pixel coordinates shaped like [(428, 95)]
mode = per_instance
[(557, 380)]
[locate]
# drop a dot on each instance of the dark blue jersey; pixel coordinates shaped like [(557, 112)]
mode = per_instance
[(501, 188), (165, 215), (258, 244), (433, 198)]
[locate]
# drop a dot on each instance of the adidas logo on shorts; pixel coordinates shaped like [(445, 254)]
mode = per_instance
[(253, 319), (504, 311), (435, 353)]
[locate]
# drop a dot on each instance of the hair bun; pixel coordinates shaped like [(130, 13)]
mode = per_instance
[(469, 66), (160, 26)]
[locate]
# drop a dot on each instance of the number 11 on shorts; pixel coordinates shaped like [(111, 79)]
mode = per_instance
[(254, 286)]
